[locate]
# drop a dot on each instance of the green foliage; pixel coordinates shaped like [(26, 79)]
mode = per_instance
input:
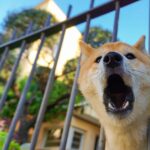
[(58, 99), (13, 144), (98, 36), (21, 20), (8, 66), (69, 71)]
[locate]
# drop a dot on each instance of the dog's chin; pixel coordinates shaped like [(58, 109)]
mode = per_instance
[(118, 97)]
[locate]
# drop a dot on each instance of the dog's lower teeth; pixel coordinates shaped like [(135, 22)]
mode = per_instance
[(111, 106), (126, 104)]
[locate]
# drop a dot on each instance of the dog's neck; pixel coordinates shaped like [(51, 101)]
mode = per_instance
[(132, 138)]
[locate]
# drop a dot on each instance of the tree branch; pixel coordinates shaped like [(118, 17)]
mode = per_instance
[(58, 101)]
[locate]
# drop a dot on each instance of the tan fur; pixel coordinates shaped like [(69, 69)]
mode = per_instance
[(129, 133)]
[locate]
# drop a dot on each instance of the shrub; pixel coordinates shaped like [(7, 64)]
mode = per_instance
[(13, 145)]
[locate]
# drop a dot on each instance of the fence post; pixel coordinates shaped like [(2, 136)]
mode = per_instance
[(117, 13), (114, 38), (1, 39), (149, 28)]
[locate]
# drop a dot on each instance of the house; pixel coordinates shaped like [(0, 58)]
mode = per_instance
[(70, 47), (83, 133)]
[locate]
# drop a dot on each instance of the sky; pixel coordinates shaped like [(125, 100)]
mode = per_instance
[(133, 20)]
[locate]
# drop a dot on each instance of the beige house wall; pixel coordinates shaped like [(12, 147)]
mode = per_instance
[(42, 135), (70, 47), (91, 130)]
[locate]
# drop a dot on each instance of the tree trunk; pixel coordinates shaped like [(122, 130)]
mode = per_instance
[(23, 131)]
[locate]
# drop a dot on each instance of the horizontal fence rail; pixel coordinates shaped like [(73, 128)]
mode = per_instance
[(95, 12), (42, 34)]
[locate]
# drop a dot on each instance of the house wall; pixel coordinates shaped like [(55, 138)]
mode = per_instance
[(90, 130), (70, 47), (69, 50), (43, 133)]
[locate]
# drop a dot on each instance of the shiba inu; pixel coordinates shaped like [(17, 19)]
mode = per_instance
[(115, 79)]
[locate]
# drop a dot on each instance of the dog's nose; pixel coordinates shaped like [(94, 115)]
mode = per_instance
[(112, 59)]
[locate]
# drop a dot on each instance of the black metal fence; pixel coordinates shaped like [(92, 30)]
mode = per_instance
[(42, 34)]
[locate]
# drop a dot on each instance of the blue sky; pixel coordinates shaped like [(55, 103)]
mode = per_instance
[(132, 24)]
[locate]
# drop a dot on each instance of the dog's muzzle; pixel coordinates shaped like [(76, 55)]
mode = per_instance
[(118, 97)]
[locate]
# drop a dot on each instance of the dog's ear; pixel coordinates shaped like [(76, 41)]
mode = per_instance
[(140, 44), (86, 50)]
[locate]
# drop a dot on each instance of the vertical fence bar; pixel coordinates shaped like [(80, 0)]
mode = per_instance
[(115, 29), (148, 131), (101, 144), (114, 38), (148, 135), (25, 90), (149, 28), (6, 51), (48, 89), (1, 39), (74, 91), (14, 69)]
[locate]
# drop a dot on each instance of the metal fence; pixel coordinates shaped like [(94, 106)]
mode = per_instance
[(42, 34)]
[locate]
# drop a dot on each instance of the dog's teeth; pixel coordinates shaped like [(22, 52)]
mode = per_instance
[(126, 104), (111, 106)]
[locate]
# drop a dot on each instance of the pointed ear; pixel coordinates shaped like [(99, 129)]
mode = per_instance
[(140, 44), (86, 50)]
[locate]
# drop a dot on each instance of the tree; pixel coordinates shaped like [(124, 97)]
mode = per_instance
[(98, 36)]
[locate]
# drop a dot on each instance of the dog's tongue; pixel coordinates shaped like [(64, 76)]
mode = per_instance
[(118, 99)]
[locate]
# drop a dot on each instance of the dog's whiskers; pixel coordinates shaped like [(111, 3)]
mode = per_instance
[(137, 71)]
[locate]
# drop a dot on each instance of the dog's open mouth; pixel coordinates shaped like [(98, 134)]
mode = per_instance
[(118, 97)]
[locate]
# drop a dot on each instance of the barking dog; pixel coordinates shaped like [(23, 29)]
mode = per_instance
[(115, 79)]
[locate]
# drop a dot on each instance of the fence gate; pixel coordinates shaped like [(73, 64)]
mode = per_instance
[(43, 34)]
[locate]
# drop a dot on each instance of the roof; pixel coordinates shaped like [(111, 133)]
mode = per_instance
[(42, 4), (51, 7), (87, 118)]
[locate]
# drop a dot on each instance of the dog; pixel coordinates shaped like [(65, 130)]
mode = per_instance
[(115, 79)]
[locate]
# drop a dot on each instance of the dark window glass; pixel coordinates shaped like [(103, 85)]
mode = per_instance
[(76, 140), (53, 137)]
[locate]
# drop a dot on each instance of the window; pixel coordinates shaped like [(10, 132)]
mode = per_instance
[(96, 142), (53, 137), (75, 139)]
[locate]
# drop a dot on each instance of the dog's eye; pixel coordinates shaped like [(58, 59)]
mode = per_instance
[(98, 59), (130, 56)]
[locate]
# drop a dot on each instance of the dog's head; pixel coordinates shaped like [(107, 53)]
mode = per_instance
[(115, 79)]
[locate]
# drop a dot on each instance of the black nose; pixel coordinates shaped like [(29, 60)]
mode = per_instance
[(112, 59)]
